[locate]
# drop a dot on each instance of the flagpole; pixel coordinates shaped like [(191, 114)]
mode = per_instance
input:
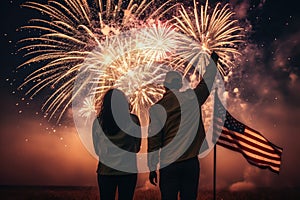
[(215, 171)]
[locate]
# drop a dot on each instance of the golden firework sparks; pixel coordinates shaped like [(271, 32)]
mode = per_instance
[(121, 62), (74, 36), (213, 31), (67, 32)]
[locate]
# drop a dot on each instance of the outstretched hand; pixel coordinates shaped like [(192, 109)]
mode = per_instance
[(153, 178)]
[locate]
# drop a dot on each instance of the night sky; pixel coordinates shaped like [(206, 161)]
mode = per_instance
[(264, 93)]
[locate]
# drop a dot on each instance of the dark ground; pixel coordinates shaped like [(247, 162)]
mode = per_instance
[(91, 193)]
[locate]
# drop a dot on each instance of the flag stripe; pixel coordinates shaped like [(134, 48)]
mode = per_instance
[(271, 145), (264, 143), (255, 135), (228, 146), (248, 151), (276, 151), (250, 141), (253, 160), (275, 169), (251, 135), (250, 144), (249, 131), (265, 161)]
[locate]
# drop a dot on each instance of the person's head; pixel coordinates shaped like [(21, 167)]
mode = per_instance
[(173, 80), (114, 106)]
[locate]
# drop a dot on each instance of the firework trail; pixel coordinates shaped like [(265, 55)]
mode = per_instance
[(215, 31), (132, 63), (76, 37), (67, 33), (143, 90)]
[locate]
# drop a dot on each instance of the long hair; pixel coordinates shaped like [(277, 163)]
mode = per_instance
[(114, 111)]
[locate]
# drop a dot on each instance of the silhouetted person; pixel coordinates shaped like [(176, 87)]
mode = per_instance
[(112, 143), (179, 135)]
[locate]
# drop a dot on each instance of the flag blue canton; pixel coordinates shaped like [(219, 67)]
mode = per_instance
[(233, 125)]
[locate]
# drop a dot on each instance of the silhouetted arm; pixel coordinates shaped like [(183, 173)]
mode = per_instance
[(204, 87)]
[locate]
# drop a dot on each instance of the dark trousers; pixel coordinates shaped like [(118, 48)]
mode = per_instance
[(108, 185), (182, 177)]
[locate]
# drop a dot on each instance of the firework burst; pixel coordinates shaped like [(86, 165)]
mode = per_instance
[(122, 62), (143, 85), (118, 44), (158, 40), (215, 31), (67, 32), (88, 108)]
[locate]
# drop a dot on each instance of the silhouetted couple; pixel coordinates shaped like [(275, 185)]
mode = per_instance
[(176, 133)]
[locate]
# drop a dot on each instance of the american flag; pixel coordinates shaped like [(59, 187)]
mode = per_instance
[(250, 143)]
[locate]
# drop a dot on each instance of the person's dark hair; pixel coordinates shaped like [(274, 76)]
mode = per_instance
[(108, 113), (173, 80)]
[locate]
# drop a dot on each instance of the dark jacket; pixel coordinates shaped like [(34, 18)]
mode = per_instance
[(111, 154), (182, 133)]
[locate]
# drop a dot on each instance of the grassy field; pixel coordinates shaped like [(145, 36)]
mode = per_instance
[(91, 193)]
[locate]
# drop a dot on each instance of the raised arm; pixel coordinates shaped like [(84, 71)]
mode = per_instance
[(204, 87)]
